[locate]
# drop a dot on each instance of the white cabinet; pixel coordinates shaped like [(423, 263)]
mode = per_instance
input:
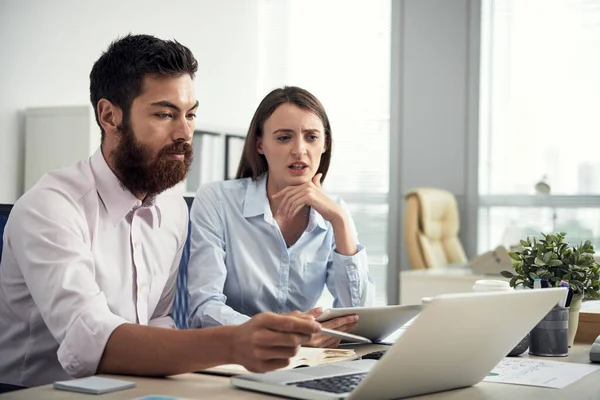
[(56, 137)]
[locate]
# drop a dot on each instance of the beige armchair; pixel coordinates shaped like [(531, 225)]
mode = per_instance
[(431, 226)]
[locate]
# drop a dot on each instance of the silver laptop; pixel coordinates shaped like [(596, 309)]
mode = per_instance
[(455, 341)]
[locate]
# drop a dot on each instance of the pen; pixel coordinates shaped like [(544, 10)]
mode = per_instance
[(344, 335), (569, 297), (563, 303)]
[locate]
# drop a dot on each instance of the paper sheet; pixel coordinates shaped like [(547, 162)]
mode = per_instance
[(533, 372)]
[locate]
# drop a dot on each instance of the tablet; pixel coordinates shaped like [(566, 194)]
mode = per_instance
[(375, 323)]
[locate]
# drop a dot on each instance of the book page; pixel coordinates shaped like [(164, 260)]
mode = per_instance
[(307, 356), (534, 372)]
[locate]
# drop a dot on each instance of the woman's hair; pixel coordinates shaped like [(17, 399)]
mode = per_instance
[(254, 165)]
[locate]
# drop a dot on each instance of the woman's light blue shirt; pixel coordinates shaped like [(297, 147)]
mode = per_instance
[(240, 265)]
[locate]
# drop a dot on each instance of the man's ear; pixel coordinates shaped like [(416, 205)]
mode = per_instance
[(110, 116), (259, 145)]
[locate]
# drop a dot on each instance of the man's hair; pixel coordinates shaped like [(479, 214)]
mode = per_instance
[(118, 74), (254, 165)]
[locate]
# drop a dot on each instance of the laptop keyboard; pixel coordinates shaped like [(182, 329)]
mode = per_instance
[(334, 384)]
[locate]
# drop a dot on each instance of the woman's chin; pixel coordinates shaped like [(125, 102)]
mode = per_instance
[(297, 180), (290, 180)]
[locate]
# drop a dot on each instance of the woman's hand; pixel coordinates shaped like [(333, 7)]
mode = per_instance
[(342, 324), (294, 198)]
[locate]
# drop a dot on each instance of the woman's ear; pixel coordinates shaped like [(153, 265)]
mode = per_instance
[(259, 145), (109, 115)]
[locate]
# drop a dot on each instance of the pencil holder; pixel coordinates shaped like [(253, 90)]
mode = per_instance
[(521, 347), (550, 337)]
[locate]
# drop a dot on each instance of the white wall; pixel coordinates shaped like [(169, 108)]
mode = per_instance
[(48, 48), (434, 117)]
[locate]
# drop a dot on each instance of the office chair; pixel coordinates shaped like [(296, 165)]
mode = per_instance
[(431, 226), (4, 212)]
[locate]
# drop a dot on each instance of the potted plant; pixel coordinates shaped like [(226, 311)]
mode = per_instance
[(552, 260)]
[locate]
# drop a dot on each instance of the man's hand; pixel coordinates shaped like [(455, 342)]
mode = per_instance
[(343, 324), (268, 340)]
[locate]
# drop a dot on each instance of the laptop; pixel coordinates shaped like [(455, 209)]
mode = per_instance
[(454, 342)]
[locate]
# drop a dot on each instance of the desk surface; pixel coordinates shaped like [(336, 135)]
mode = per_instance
[(202, 386)]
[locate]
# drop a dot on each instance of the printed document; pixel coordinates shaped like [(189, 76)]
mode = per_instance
[(533, 372)]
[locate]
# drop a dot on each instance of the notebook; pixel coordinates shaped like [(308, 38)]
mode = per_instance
[(454, 342), (306, 357), (93, 385)]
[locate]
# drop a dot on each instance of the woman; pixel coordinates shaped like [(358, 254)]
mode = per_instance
[(271, 239)]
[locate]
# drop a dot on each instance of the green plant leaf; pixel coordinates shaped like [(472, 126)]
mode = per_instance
[(555, 263), (524, 243), (539, 262), (507, 274), (533, 276), (514, 256), (546, 257)]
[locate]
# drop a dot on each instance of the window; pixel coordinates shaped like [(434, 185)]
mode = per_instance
[(540, 90), (340, 51)]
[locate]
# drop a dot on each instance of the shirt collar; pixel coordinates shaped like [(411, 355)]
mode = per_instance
[(118, 200), (256, 201)]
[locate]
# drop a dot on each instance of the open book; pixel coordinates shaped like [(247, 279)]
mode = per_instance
[(306, 357)]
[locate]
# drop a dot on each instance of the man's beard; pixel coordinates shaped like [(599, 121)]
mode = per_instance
[(140, 175)]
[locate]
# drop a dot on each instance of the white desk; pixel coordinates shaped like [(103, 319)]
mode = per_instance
[(418, 283), (200, 386)]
